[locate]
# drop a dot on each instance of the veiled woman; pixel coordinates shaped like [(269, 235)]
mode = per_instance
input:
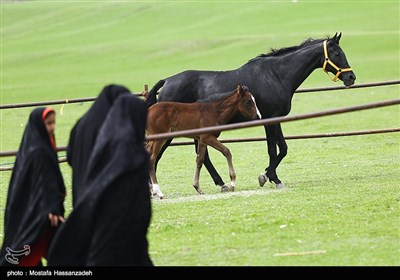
[(83, 135), (35, 195), (109, 223)]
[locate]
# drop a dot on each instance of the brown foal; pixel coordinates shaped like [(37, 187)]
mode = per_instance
[(173, 116)]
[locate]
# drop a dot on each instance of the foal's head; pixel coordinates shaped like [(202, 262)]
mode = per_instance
[(247, 104)]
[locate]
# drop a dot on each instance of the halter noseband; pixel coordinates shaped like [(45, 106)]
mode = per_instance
[(338, 70)]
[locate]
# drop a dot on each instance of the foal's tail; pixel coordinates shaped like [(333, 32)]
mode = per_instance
[(152, 97)]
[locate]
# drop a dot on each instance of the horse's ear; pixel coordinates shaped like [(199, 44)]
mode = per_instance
[(241, 89), (337, 37)]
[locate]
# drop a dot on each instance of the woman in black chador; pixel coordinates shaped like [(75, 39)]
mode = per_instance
[(35, 195), (83, 135), (109, 223)]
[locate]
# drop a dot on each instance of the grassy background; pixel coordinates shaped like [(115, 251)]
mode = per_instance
[(341, 195)]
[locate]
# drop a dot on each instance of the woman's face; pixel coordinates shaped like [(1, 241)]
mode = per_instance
[(50, 123)]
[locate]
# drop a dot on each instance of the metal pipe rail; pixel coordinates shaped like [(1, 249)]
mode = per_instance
[(240, 140), (270, 121), (87, 99)]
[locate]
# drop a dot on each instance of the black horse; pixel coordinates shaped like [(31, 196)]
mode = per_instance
[(272, 78)]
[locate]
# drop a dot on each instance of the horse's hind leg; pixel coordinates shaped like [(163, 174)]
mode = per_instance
[(199, 163), (154, 148), (213, 142), (210, 168)]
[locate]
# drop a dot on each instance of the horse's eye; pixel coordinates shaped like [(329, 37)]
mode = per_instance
[(336, 53), (248, 103)]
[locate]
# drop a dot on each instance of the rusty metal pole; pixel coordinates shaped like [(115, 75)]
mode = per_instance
[(146, 91)]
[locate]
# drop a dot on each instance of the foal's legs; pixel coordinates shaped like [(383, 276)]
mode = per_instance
[(164, 147), (213, 142), (199, 163), (154, 148), (210, 168), (274, 138)]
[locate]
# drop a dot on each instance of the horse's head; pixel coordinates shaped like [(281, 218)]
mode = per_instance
[(247, 105), (335, 61)]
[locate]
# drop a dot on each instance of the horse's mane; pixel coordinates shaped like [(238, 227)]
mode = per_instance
[(281, 51)]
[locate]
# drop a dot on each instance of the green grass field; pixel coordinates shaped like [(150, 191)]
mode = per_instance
[(342, 194)]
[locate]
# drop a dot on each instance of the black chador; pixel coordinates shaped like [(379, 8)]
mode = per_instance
[(84, 133), (36, 189), (108, 225)]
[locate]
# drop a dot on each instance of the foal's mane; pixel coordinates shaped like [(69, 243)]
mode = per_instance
[(217, 97), (281, 51)]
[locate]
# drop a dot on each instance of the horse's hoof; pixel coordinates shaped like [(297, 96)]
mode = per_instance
[(159, 195), (280, 185), (262, 179), (198, 190), (226, 188)]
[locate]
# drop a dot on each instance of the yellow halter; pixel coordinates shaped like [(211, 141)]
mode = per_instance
[(338, 70)]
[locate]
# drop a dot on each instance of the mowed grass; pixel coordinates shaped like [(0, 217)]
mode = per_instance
[(341, 199)]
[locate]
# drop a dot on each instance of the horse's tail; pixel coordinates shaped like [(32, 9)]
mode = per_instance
[(152, 97)]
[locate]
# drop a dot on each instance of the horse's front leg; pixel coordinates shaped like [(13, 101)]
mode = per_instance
[(273, 133), (199, 163), (213, 142), (282, 146)]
